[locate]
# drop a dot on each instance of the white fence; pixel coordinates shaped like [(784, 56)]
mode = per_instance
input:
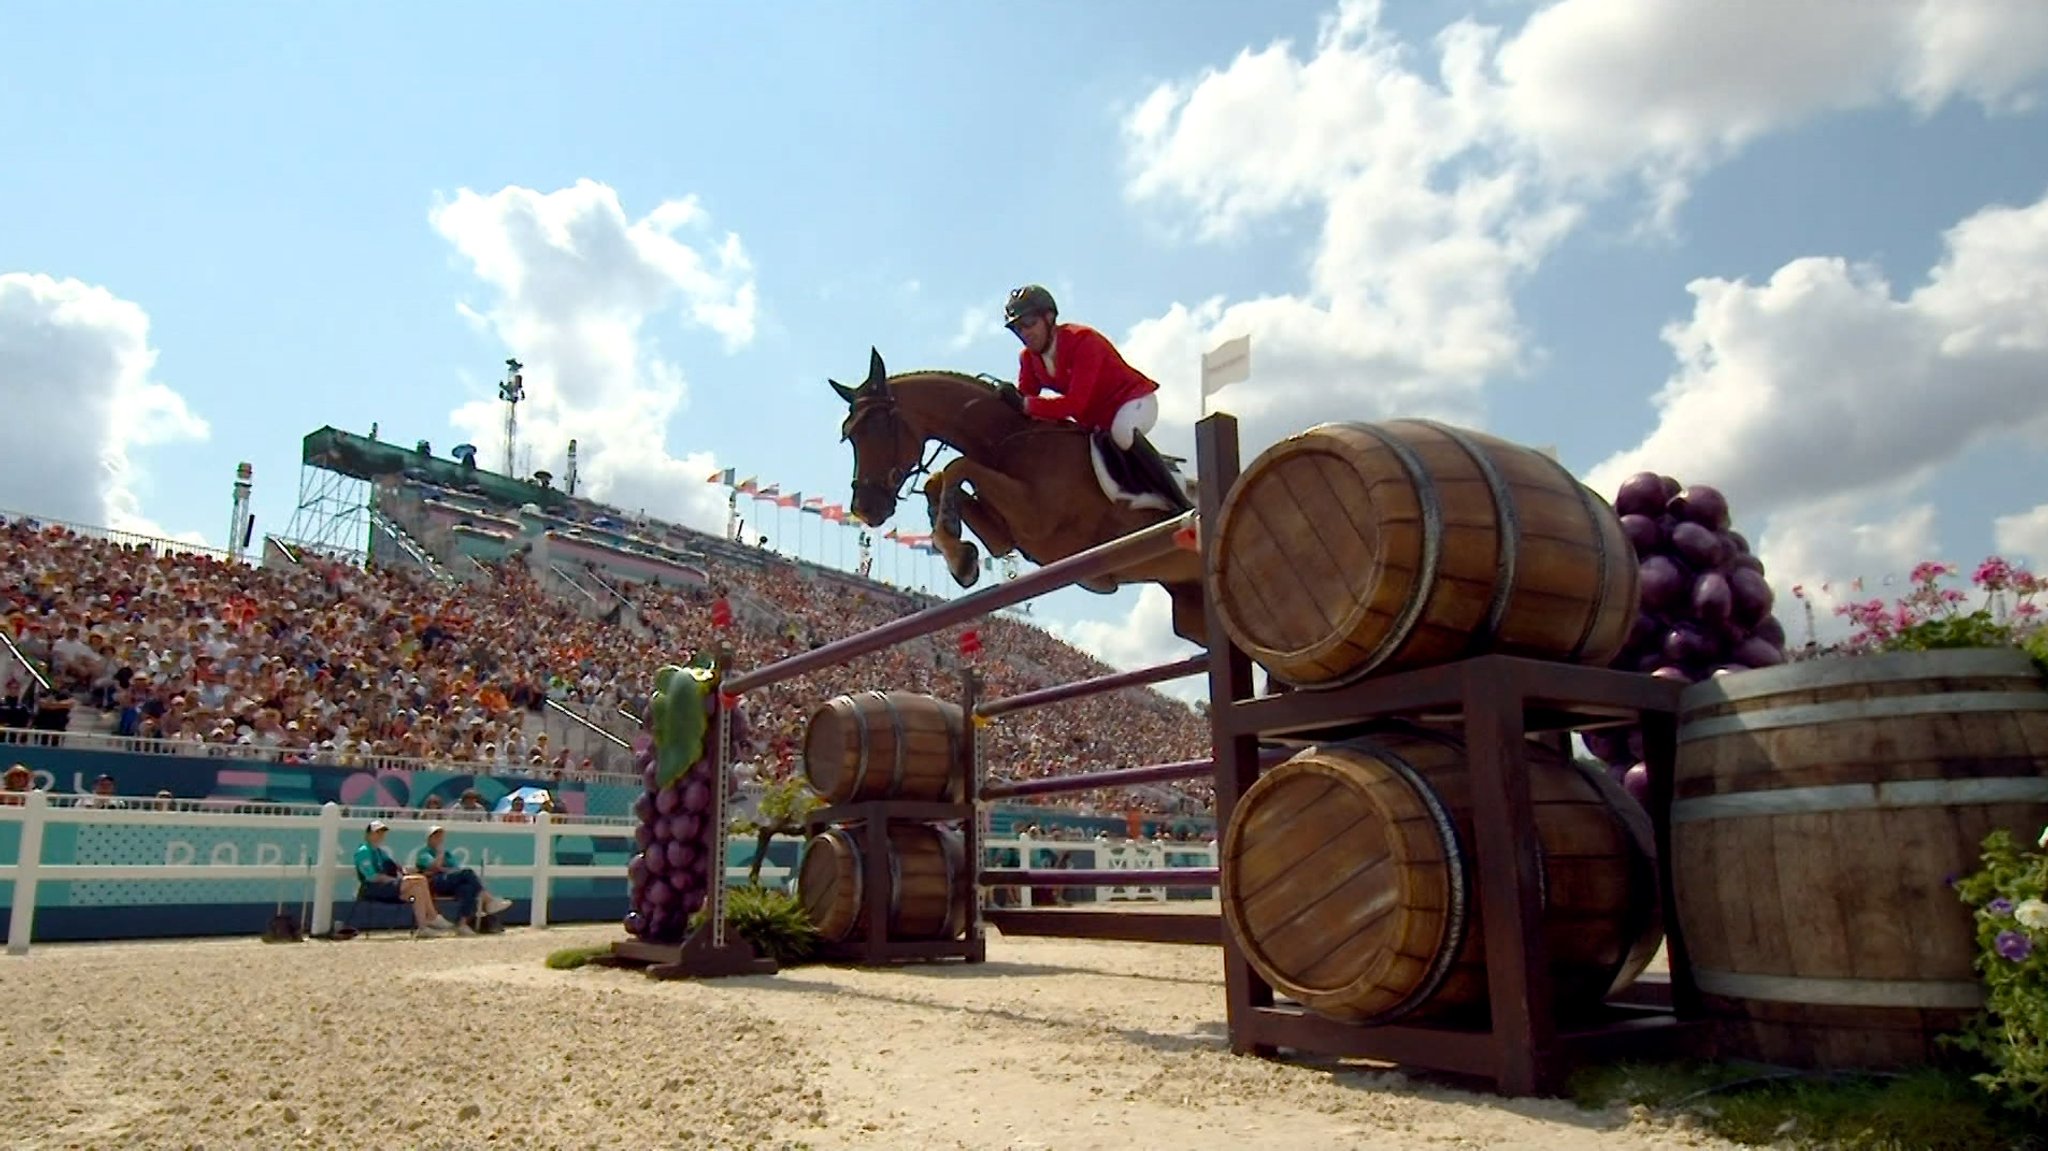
[(325, 837), (1101, 855)]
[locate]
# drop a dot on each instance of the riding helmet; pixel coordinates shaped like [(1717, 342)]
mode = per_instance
[(1026, 302)]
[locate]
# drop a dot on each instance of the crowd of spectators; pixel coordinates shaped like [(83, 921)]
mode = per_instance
[(331, 662)]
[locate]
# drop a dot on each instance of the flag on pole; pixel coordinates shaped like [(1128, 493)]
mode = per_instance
[(745, 485), (1229, 362), (724, 477)]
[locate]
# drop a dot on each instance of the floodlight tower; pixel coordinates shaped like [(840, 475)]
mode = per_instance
[(238, 526), (512, 391)]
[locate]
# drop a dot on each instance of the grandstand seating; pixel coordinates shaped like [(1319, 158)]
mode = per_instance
[(437, 650)]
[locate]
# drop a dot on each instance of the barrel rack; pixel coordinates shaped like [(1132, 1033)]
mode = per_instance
[(1499, 703), (874, 947)]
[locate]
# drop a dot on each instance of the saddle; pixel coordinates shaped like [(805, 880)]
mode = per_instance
[(1140, 478)]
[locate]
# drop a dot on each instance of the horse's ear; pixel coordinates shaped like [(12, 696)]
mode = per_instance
[(845, 393), (877, 374)]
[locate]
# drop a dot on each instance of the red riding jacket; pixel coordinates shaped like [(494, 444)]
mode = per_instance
[(1092, 379)]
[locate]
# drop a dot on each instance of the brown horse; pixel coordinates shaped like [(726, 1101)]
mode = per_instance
[(1034, 487)]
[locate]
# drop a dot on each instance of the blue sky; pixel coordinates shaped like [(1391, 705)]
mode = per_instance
[(1495, 224)]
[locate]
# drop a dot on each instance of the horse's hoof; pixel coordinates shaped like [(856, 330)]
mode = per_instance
[(967, 569), (1102, 585)]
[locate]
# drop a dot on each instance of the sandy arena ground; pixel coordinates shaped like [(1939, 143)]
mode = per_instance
[(389, 1043)]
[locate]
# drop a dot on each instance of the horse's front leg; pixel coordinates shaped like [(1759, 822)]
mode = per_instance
[(943, 496)]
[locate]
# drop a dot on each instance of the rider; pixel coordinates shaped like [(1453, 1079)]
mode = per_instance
[(1094, 386)]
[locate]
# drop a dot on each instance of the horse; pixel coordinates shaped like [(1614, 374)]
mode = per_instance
[(1034, 488)]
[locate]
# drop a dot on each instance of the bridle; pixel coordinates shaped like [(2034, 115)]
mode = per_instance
[(884, 404)]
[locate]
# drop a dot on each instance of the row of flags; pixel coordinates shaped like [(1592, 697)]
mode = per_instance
[(815, 505)]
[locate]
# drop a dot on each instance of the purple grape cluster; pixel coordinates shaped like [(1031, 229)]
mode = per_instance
[(1706, 606), (670, 877)]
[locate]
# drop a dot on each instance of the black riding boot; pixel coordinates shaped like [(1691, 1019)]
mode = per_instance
[(1147, 463)]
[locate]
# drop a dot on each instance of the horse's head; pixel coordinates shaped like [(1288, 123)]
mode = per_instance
[(886, 450)]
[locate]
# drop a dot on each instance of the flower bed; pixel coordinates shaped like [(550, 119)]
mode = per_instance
[(2010, 895)]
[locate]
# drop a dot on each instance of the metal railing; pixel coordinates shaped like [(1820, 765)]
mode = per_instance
[(115, 535)]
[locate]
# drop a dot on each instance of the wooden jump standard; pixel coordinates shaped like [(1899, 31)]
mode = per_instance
[(1498, 702)]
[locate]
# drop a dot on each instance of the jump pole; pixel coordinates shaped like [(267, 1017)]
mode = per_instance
[(1144, 544), (1083, 688), (1116, 777)]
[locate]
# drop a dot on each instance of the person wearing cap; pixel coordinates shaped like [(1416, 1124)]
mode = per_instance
[(17, 782), (102, 794), (386, 882), (458, 883)]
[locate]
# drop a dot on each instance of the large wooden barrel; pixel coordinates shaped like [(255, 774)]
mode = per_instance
[(1350, 882), (927, 870), (1352, 549), (1819, 811), (884, 745)]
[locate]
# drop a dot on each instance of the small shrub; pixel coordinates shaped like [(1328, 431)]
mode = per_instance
[(571, 958), (773, 921)]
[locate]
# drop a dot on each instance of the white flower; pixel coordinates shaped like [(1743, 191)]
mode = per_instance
[(2032, 913), (2044, 838)]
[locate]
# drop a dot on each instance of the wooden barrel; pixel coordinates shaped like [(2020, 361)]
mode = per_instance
[(1819, 810), (1351, 549), (1350, 883), (927, 870), (884, 745)]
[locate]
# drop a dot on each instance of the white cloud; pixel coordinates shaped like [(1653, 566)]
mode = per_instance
[(574, 283), (1699, 81), (1444, 176), (1426, 230), (75, 364), (1824, 383), (976, 324), (1838, 551), (2024, 537)]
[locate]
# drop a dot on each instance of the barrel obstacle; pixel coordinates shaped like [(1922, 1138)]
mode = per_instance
[(1395, 623)]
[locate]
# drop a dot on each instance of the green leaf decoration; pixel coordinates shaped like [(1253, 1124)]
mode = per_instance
[(681, 719)]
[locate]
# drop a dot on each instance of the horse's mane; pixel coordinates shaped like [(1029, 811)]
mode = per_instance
[(989, 383), (1012, 421)]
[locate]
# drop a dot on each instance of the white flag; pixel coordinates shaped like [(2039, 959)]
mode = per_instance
[(1228, 363)]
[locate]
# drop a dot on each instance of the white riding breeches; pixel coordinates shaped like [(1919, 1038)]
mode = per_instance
[(1134, 417)]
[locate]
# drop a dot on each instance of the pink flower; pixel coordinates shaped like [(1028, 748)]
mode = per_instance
[(1927, 571), (1994, 574)]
